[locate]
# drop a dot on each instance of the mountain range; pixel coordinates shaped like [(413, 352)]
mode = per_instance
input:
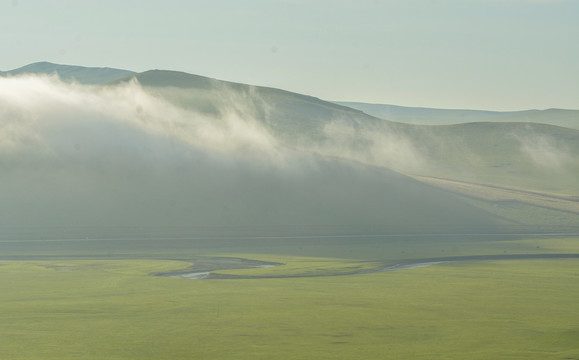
[(81, 74), (429, 116), (167, 148)]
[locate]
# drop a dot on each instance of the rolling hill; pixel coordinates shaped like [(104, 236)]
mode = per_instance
[(288, 115), (166, 148), (529, 156)]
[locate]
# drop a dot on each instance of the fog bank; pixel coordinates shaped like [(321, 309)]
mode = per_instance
[(73, 155)]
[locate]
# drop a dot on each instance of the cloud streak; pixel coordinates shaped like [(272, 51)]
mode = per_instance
[(73, 155), (544, 152), (47, 116)]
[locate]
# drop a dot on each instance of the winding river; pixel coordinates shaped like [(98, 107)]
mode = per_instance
[(211, 265)]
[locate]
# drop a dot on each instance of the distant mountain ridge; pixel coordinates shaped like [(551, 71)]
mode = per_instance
[(395, 113), (80, 74), (433, 116)]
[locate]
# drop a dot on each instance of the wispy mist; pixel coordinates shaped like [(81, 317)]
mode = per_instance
[(48, 117), (379, 146), (545, 152), (73, 155)]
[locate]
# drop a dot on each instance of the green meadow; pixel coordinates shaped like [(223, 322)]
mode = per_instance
[(99, 307)]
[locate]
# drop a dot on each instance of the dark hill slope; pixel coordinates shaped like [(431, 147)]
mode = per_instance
[(195, 189)]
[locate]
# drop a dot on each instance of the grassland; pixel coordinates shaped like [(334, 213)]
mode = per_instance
[(66, 308), (494, 193), (516, 207)]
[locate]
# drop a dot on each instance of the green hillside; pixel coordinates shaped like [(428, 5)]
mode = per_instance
[(287, 114), (520, 155), (513, 154)]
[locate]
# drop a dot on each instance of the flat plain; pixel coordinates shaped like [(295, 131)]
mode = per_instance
[(112, 307)]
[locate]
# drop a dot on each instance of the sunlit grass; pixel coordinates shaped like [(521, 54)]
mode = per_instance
[(114, 310), (302, 266)]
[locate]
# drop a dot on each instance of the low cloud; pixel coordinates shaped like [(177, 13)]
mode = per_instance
[(76, 156), (380, 146), (47, 117), (545, 152)]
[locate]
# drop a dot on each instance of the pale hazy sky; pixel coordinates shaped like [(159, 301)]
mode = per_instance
[(481, 54)]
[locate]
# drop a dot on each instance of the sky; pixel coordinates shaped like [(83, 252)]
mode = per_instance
[(475, 54)]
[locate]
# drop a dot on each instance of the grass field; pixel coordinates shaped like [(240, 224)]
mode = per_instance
[(500, 194), (113, 309)]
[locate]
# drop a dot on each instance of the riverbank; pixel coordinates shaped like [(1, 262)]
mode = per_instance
[(208, 268)]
